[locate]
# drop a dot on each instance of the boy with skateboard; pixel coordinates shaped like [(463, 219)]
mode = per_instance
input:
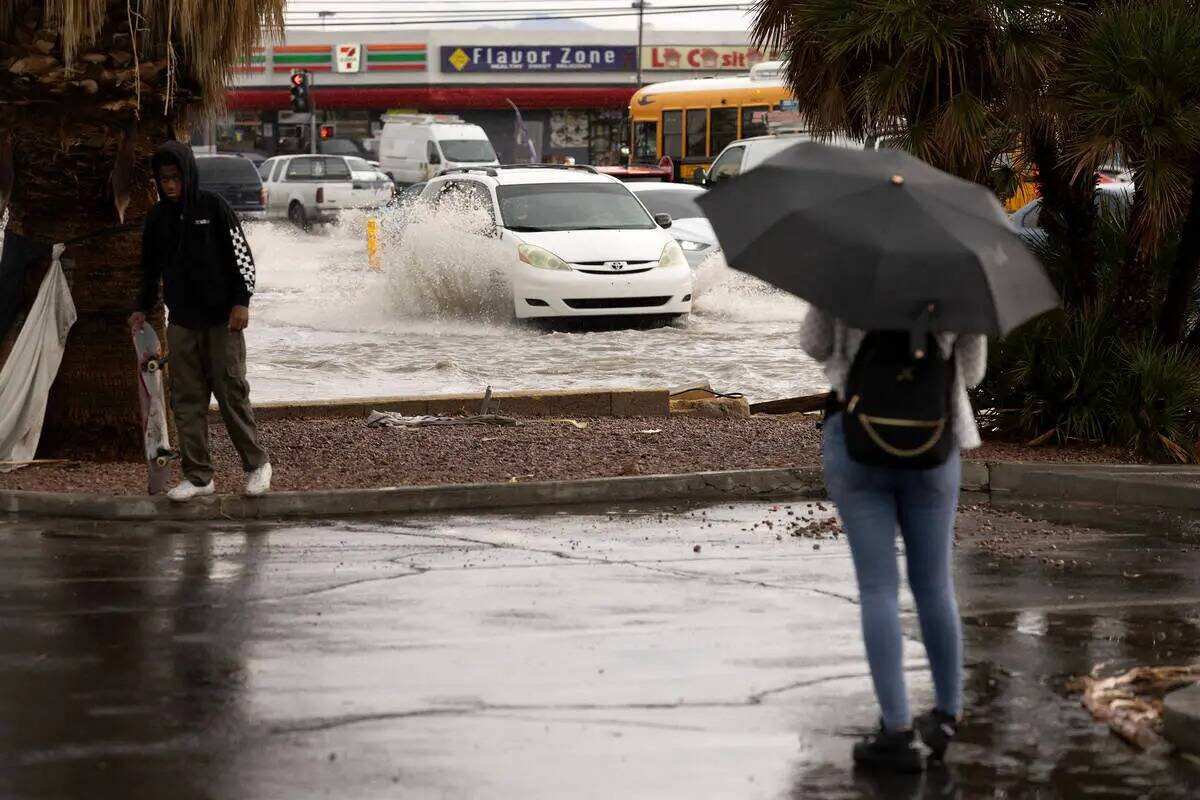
[(193, 245)]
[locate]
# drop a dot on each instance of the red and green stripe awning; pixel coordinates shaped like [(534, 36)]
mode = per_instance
[(254, 61), (317, 58), (396, 57)]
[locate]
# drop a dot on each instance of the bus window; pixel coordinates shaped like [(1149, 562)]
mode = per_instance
[(697, 132), (722, 129), (673, 134), (645, 143), (754, 121)]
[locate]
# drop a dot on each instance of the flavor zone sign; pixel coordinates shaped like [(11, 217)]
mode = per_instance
[(704, 58), (548, 58)]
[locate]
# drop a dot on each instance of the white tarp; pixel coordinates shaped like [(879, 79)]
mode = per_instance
[(32, 366)]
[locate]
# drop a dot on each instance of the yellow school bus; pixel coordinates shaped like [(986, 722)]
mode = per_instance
[(691, 121)]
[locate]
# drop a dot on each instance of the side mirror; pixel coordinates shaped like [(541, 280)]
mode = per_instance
[(700, 177), (663, 220)]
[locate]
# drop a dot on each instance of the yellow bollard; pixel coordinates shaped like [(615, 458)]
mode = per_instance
[(373, 244)]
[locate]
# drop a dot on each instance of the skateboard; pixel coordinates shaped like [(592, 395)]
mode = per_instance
[(156, 443)]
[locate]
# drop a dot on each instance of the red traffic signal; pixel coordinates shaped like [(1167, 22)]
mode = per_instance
[(299, 79), (326, 131)]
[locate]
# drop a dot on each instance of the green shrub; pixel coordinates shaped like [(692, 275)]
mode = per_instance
[(1155, 398), (1052, 379)]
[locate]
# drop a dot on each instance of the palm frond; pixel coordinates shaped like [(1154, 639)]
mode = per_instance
[(201, 39)]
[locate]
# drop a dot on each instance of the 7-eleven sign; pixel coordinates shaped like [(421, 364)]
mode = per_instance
[(349, 58)]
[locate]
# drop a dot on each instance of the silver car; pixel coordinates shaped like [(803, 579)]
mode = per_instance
[(689, 226)]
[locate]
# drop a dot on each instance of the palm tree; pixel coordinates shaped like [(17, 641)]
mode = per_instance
[(87, 89), (959, 84), (1135, 88)]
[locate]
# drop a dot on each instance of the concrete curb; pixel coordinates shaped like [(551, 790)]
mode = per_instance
[(1181, 719), (1171, 488), (568, 403), (1174, 488), (735, 485)]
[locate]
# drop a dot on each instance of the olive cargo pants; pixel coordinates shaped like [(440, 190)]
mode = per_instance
[(210, 363)]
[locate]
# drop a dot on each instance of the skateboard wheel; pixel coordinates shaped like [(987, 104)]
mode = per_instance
[(152, 365)]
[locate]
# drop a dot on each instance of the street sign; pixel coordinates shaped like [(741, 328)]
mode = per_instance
[(349, 58)]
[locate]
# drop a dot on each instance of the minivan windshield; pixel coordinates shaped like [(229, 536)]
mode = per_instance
[(468, 151), (571, 207)]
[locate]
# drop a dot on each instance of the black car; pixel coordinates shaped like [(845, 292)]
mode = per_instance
[(236, 179)]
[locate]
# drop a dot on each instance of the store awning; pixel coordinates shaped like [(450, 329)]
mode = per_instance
[(438, 98)]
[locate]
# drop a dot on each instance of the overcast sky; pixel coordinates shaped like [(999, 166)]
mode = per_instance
[(729, 15)]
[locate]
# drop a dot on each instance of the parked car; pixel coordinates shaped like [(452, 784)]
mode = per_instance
[(253, 156), (416, 147), (313, 189), (1112, 197), (689, 226), (582, 244), (235, 179), (746, 154)]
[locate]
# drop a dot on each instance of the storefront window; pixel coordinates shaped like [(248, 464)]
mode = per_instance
[(697, 132), (673, 134), (754, 121), (645, 142), (722, 129)]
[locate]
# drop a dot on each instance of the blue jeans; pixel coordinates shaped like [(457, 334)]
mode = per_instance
[(873, 502)]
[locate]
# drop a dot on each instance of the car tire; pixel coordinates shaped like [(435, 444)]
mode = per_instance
[(299, 217)]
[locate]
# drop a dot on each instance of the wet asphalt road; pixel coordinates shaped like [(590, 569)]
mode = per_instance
[(593, 654)]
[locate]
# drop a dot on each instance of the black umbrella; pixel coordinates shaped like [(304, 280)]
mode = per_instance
[(879, 239)]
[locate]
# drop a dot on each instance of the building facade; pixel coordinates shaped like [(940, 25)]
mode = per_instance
[(571, 87)]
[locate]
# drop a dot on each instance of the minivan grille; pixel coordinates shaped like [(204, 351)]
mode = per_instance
[(618, 302)]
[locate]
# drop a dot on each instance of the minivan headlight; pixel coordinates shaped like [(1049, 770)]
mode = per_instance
[(672, 256), (690, 246), (541, 258)]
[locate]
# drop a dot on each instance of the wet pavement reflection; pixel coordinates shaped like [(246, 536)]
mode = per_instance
[(606, 652)]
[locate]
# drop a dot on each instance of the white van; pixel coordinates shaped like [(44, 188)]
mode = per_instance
[(416, 147)]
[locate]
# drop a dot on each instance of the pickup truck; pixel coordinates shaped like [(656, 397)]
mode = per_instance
[(307, 189)]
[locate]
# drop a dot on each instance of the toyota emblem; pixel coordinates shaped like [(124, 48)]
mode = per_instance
[(618, 265)]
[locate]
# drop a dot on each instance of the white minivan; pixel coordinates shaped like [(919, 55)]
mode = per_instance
[(416, 147)]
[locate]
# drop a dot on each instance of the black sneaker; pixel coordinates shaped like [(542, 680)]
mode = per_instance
[(937, 730), (896, 751)]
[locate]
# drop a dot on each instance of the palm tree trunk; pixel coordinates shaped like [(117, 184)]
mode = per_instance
[(1071, 203), (1181, 290), (63, 158)]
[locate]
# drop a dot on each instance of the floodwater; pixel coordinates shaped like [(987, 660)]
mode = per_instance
[(325, 326)]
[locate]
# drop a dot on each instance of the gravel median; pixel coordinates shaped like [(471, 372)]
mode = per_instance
[(344, 453)]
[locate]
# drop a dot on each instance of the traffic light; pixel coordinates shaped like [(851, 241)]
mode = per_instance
[(326, 132), (300, 99)]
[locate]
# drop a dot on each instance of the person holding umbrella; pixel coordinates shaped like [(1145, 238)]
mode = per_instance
[(908, 270)]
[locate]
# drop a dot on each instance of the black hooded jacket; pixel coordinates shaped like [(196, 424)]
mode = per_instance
[(196, 248)]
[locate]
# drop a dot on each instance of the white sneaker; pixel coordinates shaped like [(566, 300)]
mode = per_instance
[(258, 482), (187, 490)]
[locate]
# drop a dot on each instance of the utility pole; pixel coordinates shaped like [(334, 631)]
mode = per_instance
[(640, 5), (312, 116)]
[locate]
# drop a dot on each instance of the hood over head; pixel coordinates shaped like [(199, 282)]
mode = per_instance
[(180, 155)]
